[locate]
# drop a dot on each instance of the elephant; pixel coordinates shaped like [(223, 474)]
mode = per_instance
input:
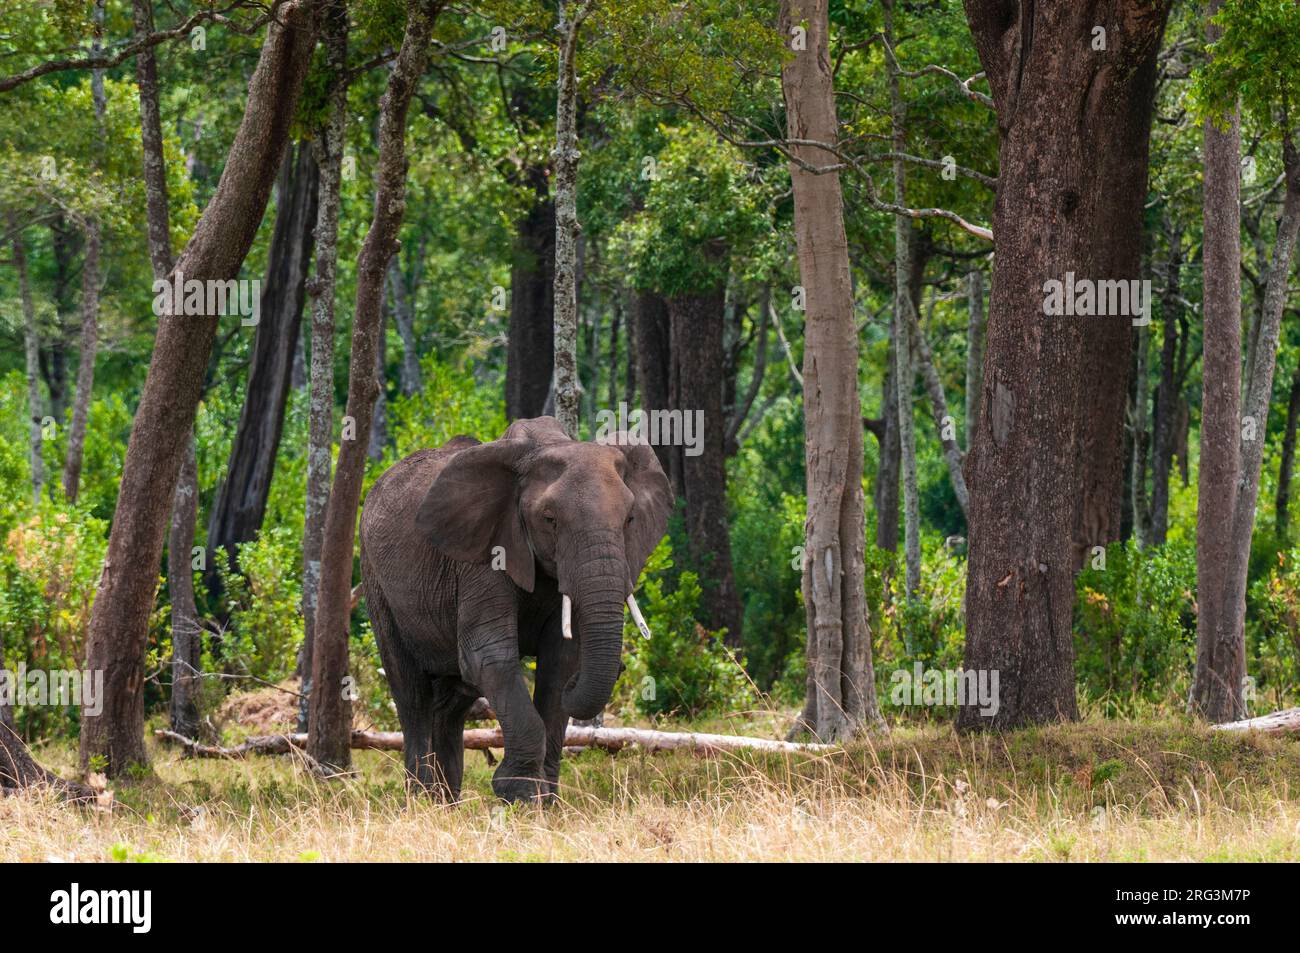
[(475, 555)]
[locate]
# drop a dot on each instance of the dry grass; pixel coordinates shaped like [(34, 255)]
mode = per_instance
[(1095, 791)]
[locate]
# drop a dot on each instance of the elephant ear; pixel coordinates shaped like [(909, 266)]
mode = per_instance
[(651, 506), (473, 507)]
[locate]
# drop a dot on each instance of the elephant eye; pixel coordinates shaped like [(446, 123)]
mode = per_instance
[(550, 520)]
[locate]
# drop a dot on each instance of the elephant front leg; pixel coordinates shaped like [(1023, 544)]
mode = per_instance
[(494, 667), (557, 661)]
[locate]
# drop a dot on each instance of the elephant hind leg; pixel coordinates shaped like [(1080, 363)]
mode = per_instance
[(452, 700), (412, 692)]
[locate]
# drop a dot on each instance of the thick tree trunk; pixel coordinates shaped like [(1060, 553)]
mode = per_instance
[(1070, 198), (32, 350), (531, 345), (330, 718), (697, 345), (565, 156), (1168, 398), (187, 647), (165, 414), (842, 697), (240, 503), (320, 425)]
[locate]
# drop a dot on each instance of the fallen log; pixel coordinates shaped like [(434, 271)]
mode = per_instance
[(1277, 723), (482, 739)]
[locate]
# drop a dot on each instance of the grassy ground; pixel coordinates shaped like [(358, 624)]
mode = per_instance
[(1091, 791)]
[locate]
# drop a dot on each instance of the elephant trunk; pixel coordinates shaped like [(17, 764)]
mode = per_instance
[(599, 588)]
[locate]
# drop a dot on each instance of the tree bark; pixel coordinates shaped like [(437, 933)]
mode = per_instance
[(1141, 445), (841, 684), (696, 321), (887, 473), (155, 169), (320, 425), (19, 770), (330, 718), (565, 156), (1070, 198), (32, 350), (531, 345), (165, 414), (240, 504)]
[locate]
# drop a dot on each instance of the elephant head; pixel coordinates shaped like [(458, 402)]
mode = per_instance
[(586, 514)]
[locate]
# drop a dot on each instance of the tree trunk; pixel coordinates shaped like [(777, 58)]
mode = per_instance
[(404, 319), (565, 156), (240, 503), (656, 362), (330, 718), (975, 330), (696, 321), (1218, 688), (1217, 693), (531, 344), (1070, 198), (89, 298), (379, 423), (19, 770), (1168, 397), (841, 685), (943, 423), (891, 452), (187, 648), (1141, 445), (155, 169), (320, 426), (904, 320), (164, 417), (32, 349), (1285, 468)]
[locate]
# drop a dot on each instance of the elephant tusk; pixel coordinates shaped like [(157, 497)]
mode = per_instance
[(566, 617), (637, 617)]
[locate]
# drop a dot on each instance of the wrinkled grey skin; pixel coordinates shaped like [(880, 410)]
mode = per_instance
[(565, 517)]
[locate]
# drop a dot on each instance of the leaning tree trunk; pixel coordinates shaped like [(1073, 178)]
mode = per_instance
[(240, 503), (565, 156), (531, 341), (164, 417), (1218, 688), (841, 686), (697, 344), (330, 718), (320, 425), (1070, 198), (32, 349)]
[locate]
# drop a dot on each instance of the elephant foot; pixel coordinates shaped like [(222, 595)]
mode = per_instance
[(513, 786)]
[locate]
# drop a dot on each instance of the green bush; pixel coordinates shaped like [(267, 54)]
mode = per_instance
[(265, 599), (683, 669)]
